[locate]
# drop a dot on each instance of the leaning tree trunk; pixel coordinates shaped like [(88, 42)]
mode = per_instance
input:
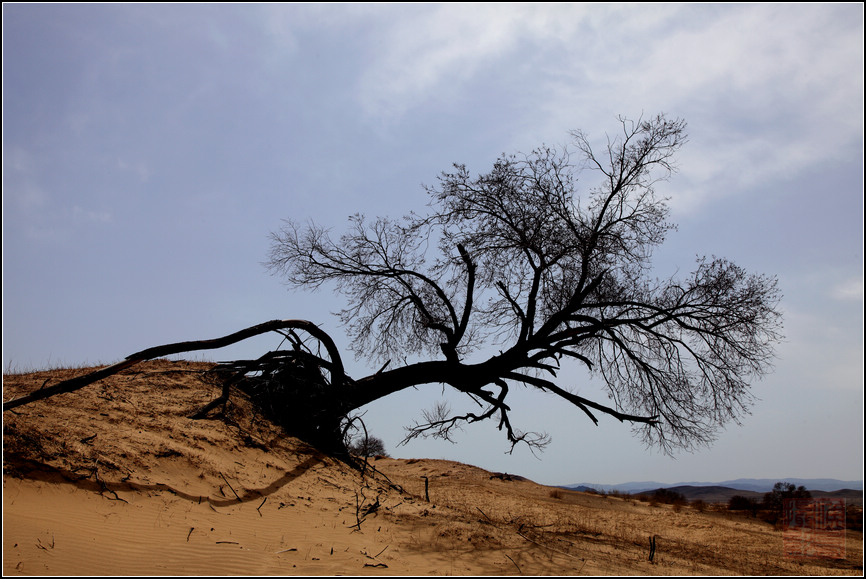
[(288, 386)]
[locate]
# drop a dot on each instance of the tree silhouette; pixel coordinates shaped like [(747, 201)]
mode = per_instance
[(775, 500), (515, 262)]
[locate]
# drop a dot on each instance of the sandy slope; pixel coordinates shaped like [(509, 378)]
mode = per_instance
[(116, 480)]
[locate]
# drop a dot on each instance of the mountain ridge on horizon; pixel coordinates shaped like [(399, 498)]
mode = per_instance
[(745, 484)]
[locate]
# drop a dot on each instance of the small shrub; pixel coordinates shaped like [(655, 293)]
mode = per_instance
[(661, 496), (556, 493), (370, 446), (741, 503)]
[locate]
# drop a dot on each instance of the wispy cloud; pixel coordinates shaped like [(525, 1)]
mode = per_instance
[(20, 185), (27, 197), (138, 168), (769, 91), (81, 215), (775, 91), (849, 290), (434, 50)]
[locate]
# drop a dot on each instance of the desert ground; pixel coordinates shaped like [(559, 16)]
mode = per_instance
[(115, 479)]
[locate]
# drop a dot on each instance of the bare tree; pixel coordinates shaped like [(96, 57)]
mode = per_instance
[(515, 261)]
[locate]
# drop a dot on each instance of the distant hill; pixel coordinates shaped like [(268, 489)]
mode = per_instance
[(813, 484), (721, 494), (851, 496), (742, 484), (713, 494)]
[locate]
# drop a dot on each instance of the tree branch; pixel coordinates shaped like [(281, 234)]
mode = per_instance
[(73, 384)]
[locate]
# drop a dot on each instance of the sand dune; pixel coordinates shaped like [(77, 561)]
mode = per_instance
[(116, 480)]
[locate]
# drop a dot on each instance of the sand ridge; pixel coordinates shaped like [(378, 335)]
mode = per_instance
[(116, 479)]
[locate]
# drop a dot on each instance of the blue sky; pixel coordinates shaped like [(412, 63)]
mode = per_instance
[(149, 150)]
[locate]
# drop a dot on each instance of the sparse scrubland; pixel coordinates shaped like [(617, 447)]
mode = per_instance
[(115, 479)]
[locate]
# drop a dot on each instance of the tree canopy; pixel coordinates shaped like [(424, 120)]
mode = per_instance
[(528, 262)]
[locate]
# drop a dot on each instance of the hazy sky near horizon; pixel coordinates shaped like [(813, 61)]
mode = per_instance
[(149, 150)]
